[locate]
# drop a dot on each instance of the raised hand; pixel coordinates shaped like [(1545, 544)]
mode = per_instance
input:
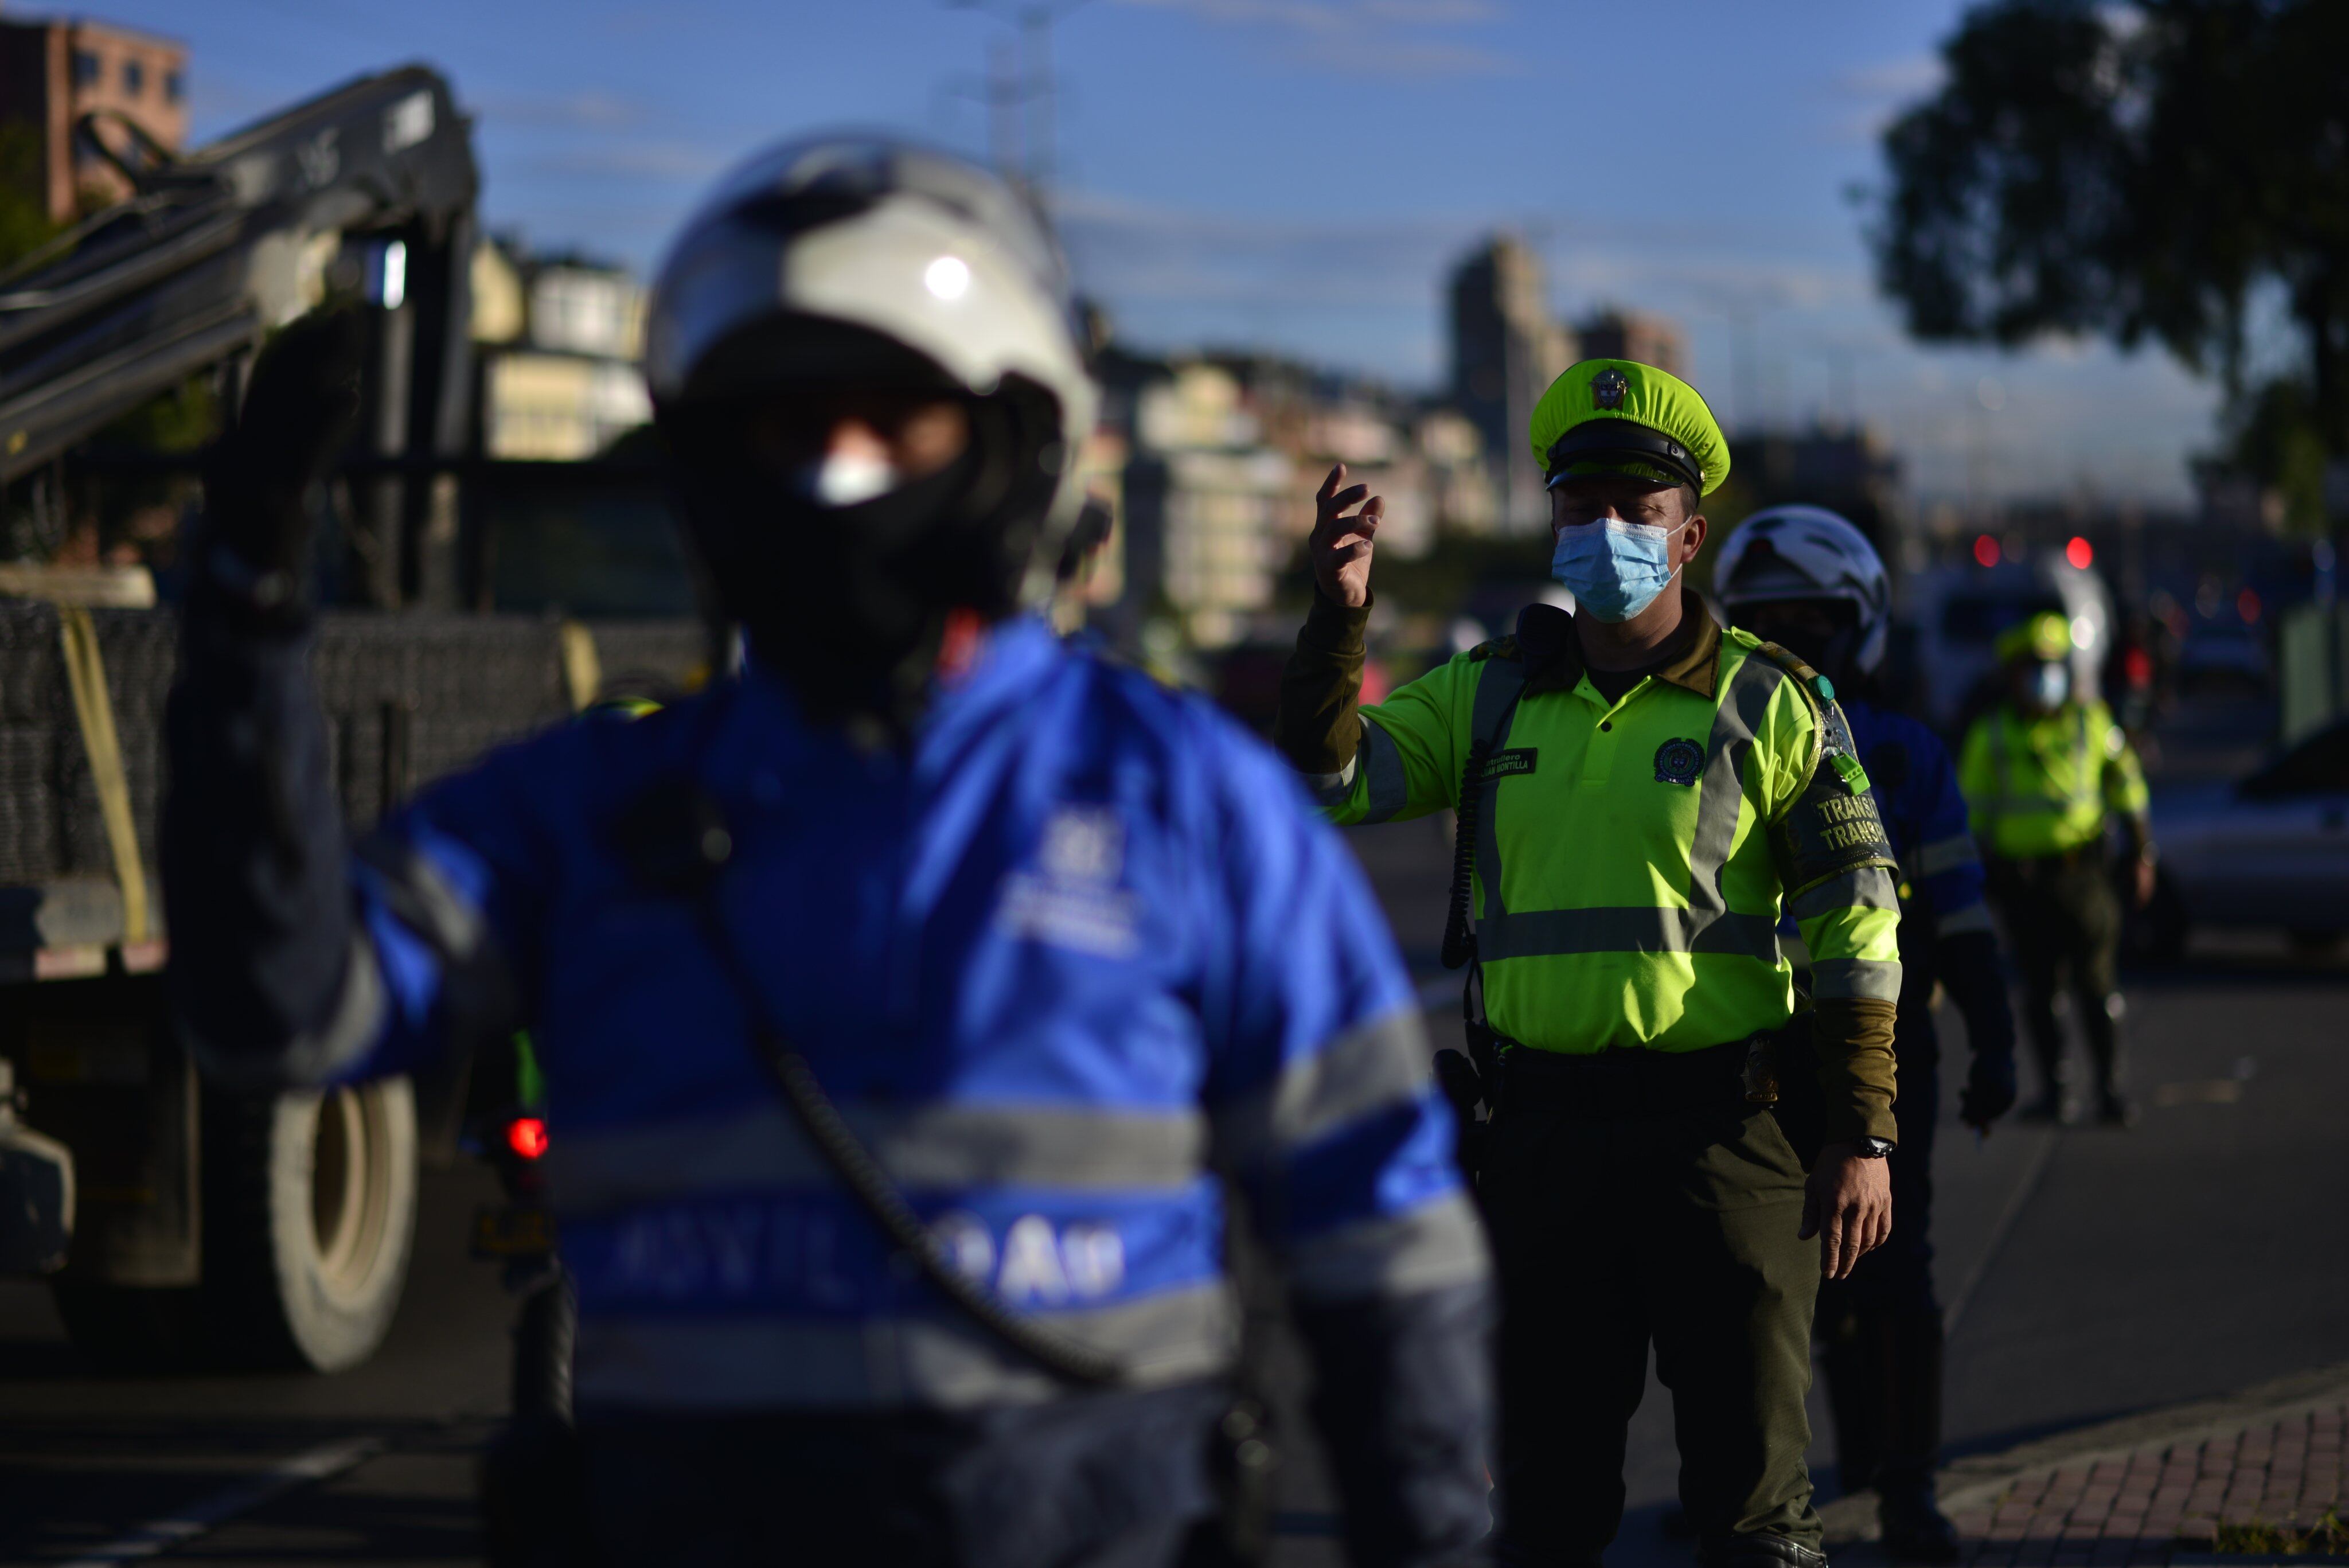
[(1340, 545), (297, 415)]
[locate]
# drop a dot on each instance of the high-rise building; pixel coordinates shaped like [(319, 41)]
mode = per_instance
[(1506, 349), (54, 70), (1613, 334)]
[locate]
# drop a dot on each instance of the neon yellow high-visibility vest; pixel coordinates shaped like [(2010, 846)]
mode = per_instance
[(1633, 855), (2041, 785)]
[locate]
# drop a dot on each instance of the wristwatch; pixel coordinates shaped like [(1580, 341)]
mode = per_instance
[(1871, 1147)]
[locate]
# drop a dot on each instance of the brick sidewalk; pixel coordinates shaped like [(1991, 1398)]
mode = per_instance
[(2143, 1507), (2147, 1490)]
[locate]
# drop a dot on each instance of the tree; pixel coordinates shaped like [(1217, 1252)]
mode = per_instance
[(2170, 169), (25, 223)]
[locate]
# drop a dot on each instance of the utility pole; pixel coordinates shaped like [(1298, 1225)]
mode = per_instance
[(1022, 94)]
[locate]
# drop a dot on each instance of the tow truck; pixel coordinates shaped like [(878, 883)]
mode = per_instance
[(179, 1222)]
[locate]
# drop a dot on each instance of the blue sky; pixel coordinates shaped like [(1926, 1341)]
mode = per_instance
[(1300, 173)]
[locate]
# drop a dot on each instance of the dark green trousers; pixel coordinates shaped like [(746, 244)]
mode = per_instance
[(2063, 924), (1613, 1233)]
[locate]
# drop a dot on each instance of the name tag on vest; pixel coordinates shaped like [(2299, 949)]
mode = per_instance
[(1500, 764)]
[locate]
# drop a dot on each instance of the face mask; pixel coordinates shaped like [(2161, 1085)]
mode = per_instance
[(845, 479), (2050, 684), (843, 601), (1614, 569)]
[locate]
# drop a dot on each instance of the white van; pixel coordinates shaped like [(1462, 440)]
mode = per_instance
[(1957, 613)]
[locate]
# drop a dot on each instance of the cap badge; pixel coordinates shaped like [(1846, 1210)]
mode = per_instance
[(1607, 388)]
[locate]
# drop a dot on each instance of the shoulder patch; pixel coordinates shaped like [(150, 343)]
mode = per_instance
[(1830, 830), (1815, 686)]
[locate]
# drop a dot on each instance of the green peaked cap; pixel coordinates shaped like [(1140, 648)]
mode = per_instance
[(1618, 416)]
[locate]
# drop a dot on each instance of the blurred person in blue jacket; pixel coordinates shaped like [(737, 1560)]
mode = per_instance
[(910, 1003), (1807, 579)]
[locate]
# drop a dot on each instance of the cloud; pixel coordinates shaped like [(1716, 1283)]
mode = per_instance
[(1385, 38), (587, 109), (670, 160), (1908, 77)]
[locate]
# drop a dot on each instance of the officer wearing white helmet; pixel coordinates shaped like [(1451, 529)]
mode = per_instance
[(909, 1001), (1804, 579)]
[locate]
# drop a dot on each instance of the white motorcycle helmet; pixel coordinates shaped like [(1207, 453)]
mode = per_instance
[(827, 267), (1809, 553)]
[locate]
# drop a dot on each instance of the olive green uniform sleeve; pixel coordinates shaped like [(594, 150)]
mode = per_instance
[(1836, 870), (1385, 763), (1318, 726)]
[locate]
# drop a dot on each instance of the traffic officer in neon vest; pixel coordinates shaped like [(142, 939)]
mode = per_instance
[(1647, 791), (906, 1000), (2045, 773), (1806, 579)]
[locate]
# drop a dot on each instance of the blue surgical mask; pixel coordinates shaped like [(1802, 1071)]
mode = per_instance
[(2050, 684), (1614, 569)]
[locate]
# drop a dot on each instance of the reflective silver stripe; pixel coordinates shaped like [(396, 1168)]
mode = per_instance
[(1380, 1064), (923, 1147), (1947, 854), (1876, 978), (1434, 1245), (1867, 887), (934, 1361), (1721, 792), (446, 917), (1390, 787), (1498, 685), (1545, 933), (1331, 789), (357, 1022), (1972, 917)]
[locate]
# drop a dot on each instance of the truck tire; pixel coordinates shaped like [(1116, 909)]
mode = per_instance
[(309, 1215)]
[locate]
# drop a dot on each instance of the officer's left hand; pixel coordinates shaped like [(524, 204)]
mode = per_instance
[(2141, 883), (1990, 1089), (1848, 1201)]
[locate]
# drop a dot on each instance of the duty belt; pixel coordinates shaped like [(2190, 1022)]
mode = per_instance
[(2025, 867), (1624, 1083)]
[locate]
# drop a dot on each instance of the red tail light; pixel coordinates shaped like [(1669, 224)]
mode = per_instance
[(526, 1135)]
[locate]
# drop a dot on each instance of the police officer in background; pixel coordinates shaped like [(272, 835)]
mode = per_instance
[(1804, 579), (2045, 771), (1641, 793), (903, 998)]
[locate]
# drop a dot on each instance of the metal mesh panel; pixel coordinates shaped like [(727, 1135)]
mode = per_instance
[(407, 698)]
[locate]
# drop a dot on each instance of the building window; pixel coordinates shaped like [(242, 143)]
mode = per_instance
[(175, 86), (134, 78), (86, 69)]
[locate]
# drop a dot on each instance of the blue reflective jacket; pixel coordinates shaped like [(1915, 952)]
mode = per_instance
[(1082, 950), (1916, 787)]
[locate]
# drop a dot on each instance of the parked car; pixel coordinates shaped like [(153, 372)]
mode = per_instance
[(2270, 849)]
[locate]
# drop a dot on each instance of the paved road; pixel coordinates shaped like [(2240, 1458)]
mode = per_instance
[(2091, 1272)]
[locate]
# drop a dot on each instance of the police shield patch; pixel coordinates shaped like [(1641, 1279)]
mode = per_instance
[(1677, 762)]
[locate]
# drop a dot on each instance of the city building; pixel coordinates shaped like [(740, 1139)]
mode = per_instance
[(1205, 504), (1506, 349), (560, 340), (1616, 334), (55, 70), (1852, 471)]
